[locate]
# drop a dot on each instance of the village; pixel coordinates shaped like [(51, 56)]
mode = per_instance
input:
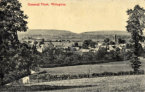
[(77, 46)]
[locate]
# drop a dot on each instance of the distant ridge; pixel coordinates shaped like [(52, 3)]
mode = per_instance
[(107, 32), (46, 31), (50, 34)]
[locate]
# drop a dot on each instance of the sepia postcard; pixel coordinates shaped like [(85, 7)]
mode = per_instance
[(72, 45)]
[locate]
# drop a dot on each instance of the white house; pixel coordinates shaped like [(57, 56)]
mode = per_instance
[(22, 81), (26, 80), (84, 50)]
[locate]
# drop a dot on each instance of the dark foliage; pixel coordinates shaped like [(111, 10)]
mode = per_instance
[(88, 43), (48, 77), (57, 57), (136, 25), (121, 41), (14, 56)]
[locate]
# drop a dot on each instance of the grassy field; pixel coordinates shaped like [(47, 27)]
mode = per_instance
[(104, 84), (131, 83), (94, 68), (127, 83)]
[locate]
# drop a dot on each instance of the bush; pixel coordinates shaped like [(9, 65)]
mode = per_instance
[(57, 57), (48, 77)]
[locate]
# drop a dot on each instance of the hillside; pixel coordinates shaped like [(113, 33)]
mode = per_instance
[(107, 32), (67, 35), (48, 32), (100, 35)]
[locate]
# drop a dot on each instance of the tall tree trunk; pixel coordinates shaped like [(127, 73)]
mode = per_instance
[(136, 42), (1, 77)]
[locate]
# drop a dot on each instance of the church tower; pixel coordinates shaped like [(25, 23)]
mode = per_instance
[(115, 39)]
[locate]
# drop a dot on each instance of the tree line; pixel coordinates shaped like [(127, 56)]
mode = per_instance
[(57, 57)]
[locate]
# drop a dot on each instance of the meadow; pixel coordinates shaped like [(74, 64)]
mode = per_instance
[(130, 83), (94, 68), (91, 68), (125, 83), (85, 71)]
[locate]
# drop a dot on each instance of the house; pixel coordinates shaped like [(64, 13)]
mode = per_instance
[(25, 80), (94, 49), (100, 44), (22, 81), (77, 48), (64, 44), (143, 45), (111, 47), (40, 48), (84, 50)]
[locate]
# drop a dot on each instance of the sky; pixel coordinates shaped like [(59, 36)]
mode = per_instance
[(79, 15)]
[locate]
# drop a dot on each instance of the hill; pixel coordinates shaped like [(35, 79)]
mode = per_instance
[(107, 32), (67, 35), (46, 34), (100, 35)]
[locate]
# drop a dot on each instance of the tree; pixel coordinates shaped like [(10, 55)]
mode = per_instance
[(136, 25), (101, 53), (106, 41), (12, 20), (92, 44), (76, 44), (121, 41), (112, 43), (41, 42), (88, 43)]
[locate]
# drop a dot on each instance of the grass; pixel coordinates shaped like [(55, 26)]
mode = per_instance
[(131, 83), (84, 71), (128, 83), (94, 68)]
